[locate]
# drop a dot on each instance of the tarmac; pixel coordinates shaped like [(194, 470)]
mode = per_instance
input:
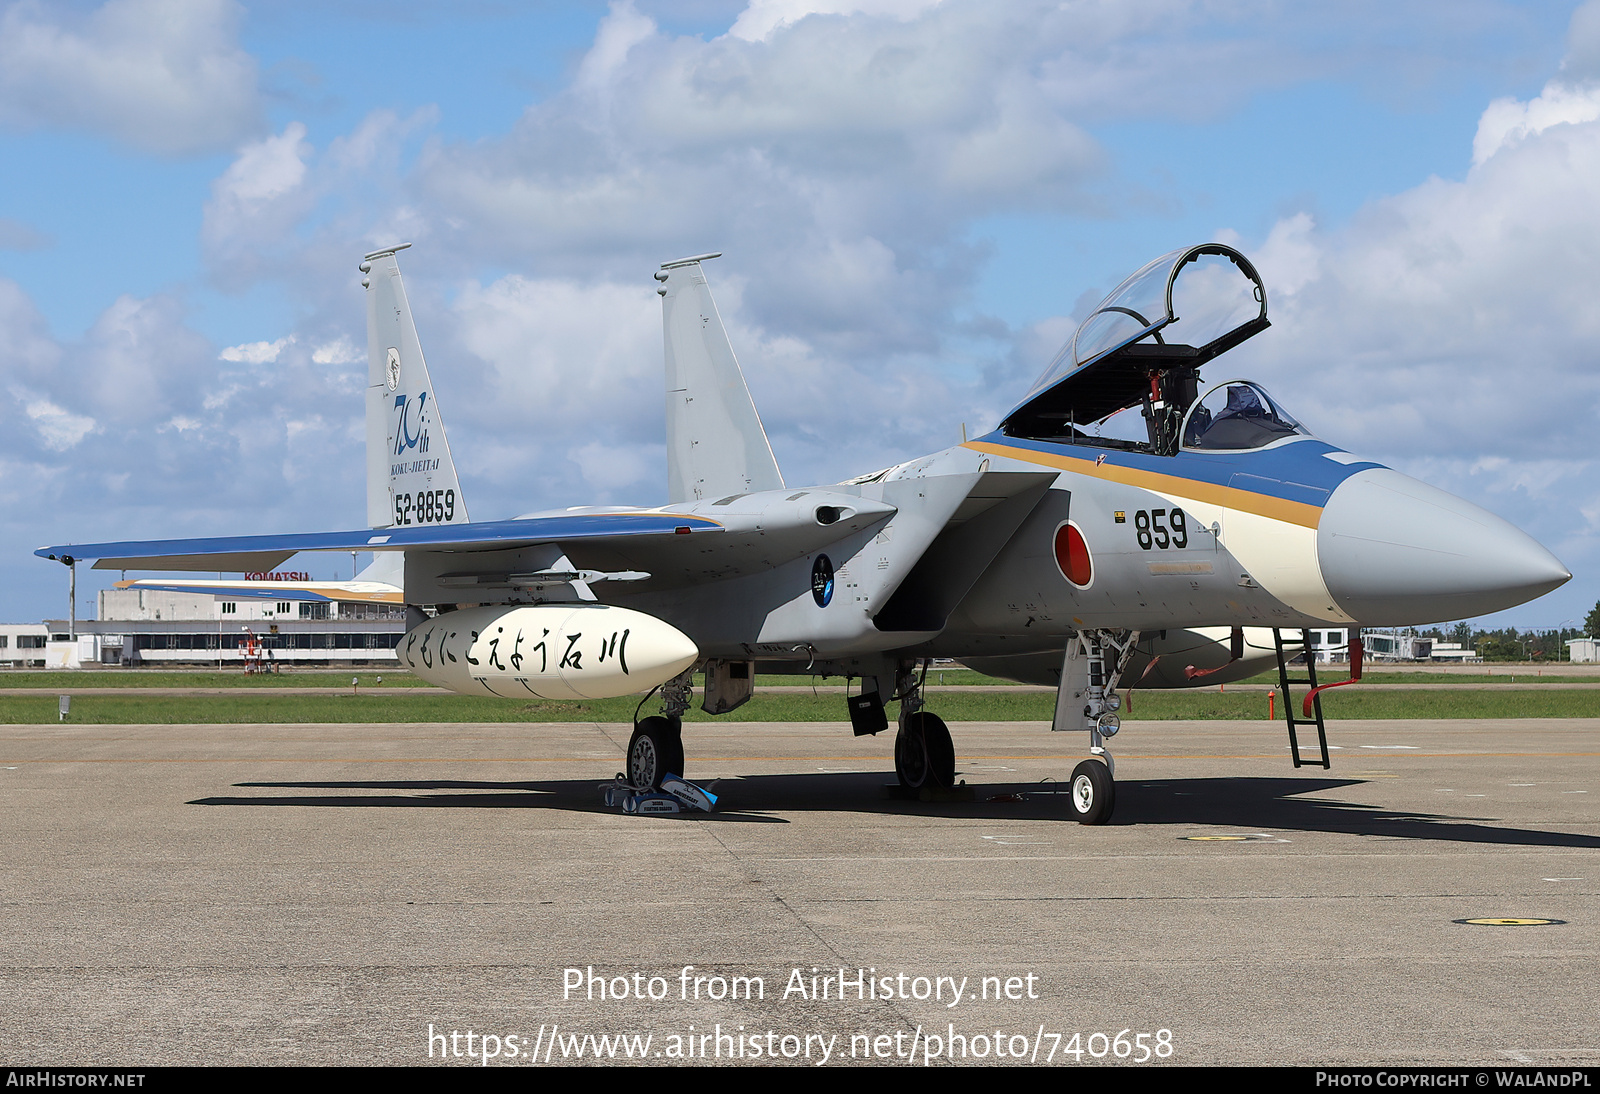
[(370, 894)]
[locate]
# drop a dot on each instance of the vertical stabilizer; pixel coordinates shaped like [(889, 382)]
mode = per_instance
[(388, 567), (715, 443), (411, 479)]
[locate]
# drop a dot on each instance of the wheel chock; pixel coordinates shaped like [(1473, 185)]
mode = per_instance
[(687, 792), (676, 795), (652, 804)]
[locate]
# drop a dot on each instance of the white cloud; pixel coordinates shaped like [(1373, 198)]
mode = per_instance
[(284, 209), (59, 429), (166, 76), (138, 364), (139, 429), (341, 351), (811, 135), (619, 32), (256, 203), (1508, 121), (1291, 252), (28, 353), (257, 353), (558, 341), (763, 17)]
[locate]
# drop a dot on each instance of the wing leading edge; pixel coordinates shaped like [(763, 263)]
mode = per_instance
[(250, 553)]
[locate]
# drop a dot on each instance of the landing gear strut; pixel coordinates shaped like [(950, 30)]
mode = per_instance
[(924, 755), (1087, 699), (656, 748)]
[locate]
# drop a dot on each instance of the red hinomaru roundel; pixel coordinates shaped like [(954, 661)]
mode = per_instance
[(1072, 555)]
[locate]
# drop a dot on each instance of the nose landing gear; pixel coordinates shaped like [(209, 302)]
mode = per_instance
[(1087, 699)]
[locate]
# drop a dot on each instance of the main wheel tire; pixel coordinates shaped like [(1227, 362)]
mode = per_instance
[(924, 755), (654, 751), (1094, 792)]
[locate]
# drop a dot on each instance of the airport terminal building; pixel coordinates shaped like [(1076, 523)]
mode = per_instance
[(158, 627)]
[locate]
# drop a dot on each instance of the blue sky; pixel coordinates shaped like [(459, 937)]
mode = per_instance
[(913, 197)]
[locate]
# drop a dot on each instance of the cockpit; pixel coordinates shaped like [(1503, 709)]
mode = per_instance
[(1142, 347), (1235, 415)]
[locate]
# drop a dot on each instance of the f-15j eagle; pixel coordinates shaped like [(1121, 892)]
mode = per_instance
[(1057, 548)]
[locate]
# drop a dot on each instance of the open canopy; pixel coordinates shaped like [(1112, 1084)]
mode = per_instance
[(1157, 327)]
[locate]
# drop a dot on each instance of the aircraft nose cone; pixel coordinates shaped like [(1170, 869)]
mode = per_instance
[(1397, 551)]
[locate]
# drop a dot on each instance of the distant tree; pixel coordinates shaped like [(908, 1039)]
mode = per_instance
[(1502, 645), (1591, 625), (1462, 632)]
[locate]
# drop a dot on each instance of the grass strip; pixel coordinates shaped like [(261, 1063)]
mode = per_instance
[(394, 677), (385, 706), (1327, 674), (134, 679)]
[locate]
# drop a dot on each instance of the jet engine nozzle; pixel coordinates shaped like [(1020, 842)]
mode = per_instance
[(1396, 551)]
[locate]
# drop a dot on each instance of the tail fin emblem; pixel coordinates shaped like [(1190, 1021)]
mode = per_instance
[(404, 439), (392, 372)]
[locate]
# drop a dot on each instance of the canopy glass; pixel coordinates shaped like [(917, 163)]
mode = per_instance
[(1171, 316)]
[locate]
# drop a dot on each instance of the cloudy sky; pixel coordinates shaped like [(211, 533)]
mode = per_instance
[(914, 198)]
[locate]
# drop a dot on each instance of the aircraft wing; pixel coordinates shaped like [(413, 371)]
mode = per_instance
[(748, 534), (253, 553)]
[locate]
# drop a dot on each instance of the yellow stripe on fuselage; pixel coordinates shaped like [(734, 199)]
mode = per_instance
[(1228, 497)]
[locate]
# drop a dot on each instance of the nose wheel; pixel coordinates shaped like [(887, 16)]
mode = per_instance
[(1087, 699)]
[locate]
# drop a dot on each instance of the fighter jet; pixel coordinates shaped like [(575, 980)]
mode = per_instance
[(1124, 525)]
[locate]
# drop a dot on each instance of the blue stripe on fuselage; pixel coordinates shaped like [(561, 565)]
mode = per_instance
[(1284, 471)]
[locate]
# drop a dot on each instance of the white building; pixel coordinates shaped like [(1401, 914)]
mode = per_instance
[(1333, 644), (22, 645), (1583, 649), (154, 626)]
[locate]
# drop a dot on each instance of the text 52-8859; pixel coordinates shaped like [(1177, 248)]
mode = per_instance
[(425, 507)]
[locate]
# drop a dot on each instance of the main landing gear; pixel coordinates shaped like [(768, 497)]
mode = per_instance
[(656, 748), (924, 755), (1087, 699)]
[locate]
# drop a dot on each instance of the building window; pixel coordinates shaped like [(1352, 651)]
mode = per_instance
[(285, 607), (229, 607)]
